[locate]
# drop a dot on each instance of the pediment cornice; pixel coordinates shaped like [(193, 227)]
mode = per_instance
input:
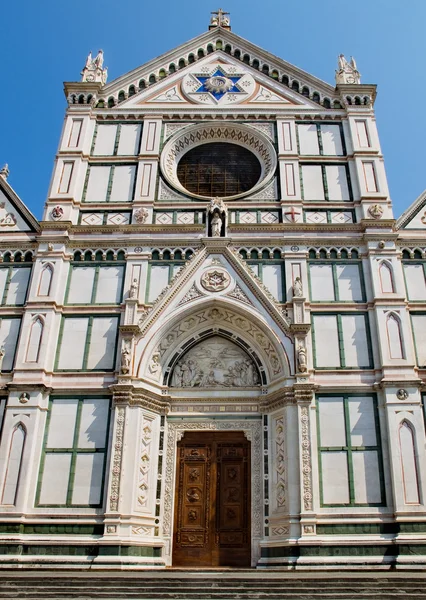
[(187, 272)]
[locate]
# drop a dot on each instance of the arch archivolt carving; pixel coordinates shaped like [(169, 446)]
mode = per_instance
[(239, 324)]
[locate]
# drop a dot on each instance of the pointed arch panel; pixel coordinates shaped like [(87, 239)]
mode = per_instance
[(14, 464)]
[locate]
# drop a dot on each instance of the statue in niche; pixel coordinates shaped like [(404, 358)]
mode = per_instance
[(301, 359), (134, 289), (215, 363), (216, 214), (298, 288), (2, 355), (125, 358), (216, 224)]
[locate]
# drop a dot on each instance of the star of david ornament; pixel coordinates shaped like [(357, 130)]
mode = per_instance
[(218, 84)]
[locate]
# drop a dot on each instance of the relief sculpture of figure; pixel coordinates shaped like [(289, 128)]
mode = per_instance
[(215, 363)]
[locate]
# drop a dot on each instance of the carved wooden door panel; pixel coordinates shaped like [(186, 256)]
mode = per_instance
[(192, 540), (232, 514), (212, 505)]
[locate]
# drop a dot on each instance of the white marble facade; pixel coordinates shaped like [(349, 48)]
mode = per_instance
[(127, 318)]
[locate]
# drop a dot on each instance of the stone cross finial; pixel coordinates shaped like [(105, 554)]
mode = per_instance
[(94, 69), (220, 18), (4, 171), (347, 71)]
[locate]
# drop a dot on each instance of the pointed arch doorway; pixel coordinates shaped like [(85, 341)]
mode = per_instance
[(212, 500)]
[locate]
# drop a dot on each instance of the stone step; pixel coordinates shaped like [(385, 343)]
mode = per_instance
[(195, 586)]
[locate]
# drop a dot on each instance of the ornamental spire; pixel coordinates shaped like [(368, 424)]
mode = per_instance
[(94, 69), (220, 18), (347, 72)]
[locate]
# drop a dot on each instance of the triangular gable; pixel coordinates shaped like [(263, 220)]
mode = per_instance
[(159, 68), (415, 216), (14, 215), (193, 85), (248, 290)]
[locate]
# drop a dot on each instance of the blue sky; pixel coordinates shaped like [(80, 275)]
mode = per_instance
[(45, 43)]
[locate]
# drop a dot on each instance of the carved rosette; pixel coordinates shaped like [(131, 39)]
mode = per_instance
[(215, 280), (117, 460)]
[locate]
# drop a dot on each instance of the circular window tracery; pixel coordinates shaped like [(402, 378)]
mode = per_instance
[(212, 160), (218, 170)]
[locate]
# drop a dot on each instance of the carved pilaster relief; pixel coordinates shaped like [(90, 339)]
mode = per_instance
[(306, 458), (117, 459), (280, 463), (144, 472)]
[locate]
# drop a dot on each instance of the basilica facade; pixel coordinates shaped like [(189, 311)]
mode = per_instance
[(211, 347)]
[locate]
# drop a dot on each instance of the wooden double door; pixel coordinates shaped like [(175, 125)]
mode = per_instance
[(212, 504)]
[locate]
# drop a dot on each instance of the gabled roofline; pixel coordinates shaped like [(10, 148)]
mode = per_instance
[(411, 211), (246, 47), (26, 214)]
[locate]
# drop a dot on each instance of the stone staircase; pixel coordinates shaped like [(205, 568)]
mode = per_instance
[(195, 585)]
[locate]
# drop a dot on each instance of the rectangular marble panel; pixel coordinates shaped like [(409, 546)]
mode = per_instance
[(97, 185), (335, 480), (102, 343), (74, 137), (110, 284), (419, 332), (349, 282), (322, 288), (54, 485), (331, 422), (81, 285), (362, 134), (415, 282), (18, 286), (73, 342), (313, 188), (355, 341), (93, 423), (159, 279), (65, 180), (123, 183), (361, 421), (337, 183), (88, 479), (331, 140), (370, 177), (366, 477), (63, 414), (308, 139), (326, 341), (9, 331), (105, 140), (129, 140), (272, 278)]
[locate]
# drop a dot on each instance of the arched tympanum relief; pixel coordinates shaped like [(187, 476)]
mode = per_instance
[(215, 362), (157, 358)]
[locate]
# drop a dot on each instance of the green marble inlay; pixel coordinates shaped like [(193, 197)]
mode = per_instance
[(21, 528)]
